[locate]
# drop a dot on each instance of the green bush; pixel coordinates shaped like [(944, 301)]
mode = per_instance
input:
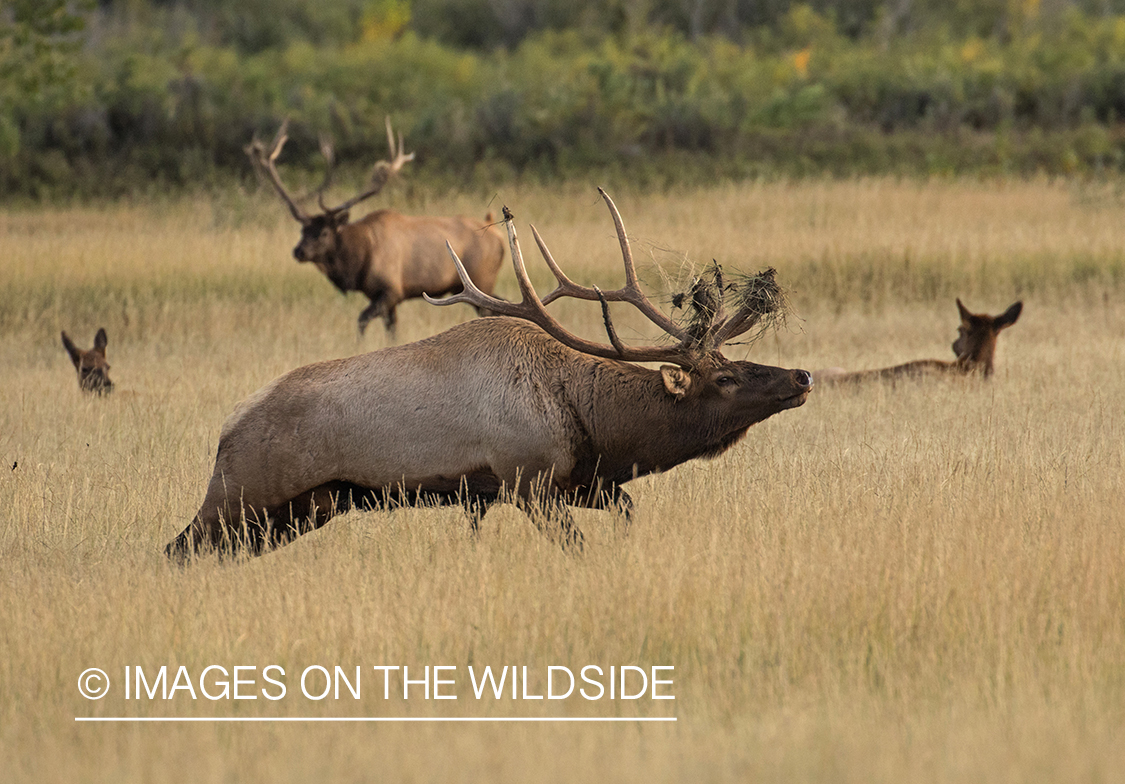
[(155, 104)]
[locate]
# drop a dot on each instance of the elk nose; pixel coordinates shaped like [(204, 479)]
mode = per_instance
[(803, 378)]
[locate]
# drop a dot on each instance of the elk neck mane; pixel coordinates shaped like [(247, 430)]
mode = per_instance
[(635, 427)]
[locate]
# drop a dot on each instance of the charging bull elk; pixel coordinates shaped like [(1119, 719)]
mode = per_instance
[(388, 256), (509, 408), (93, 370), (975, 348)]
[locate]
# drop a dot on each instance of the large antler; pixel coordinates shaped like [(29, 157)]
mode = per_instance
[(533, 309), (380, 173), (265, 164)]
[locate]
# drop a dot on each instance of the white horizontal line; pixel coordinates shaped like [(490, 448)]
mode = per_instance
[(371, 718)]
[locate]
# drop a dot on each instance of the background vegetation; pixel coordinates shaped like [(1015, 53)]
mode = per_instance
[(130, 96), (912, 583)]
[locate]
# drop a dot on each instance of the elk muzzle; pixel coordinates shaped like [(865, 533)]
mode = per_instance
[(802, 385)]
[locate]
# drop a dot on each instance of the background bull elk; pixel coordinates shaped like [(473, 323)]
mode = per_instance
[(93, 370), (509, 408), (975, 348), (388, 256)]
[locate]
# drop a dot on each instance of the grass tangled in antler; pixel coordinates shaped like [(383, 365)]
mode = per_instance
[(714, 299)]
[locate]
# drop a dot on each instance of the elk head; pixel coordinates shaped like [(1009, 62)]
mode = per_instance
[(320, 233), (696, 372), (975, 346), (93, 370)]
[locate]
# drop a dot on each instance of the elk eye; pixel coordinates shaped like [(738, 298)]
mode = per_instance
[(724, 381)]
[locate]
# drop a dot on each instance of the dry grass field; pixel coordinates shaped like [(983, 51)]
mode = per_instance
[(923, 582)]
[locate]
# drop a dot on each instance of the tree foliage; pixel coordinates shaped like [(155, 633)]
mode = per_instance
[(38, 40), (655, 90)]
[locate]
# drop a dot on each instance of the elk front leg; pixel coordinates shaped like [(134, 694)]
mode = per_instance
[(612, 499), (311, 510), (551, 516), (476, 507)]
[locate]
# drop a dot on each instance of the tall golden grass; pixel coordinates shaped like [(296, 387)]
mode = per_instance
[(918, 582)]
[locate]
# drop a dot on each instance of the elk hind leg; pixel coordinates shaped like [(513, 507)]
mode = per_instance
[(220, 529), (307, 512), (381, 305)]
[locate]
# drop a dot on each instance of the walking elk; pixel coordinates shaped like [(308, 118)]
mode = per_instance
[(513, 408), (388, 256), (975, 348), (93, 370)]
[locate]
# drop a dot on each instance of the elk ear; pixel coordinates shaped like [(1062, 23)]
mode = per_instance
[(676, 380), (68, 344), (341, 218), (1008, 317), (965, 314), (100, 342)]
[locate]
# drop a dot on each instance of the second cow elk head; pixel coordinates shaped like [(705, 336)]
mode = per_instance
[(975, 348), (512, 408), (388, 256), (93, 370)]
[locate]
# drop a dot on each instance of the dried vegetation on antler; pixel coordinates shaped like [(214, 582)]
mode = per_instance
[(758, 301), (750, 300)]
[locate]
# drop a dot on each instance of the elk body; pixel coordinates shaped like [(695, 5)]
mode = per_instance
[(975, 348), (388, 256), (506, 408), (93, 370)]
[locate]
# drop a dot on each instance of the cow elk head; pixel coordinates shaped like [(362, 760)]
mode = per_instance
[(975, 346), (319, 233), (93, 370), (696, 368)]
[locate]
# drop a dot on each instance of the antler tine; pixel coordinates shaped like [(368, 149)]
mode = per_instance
[(265, 164), (279, 140), (631, 292), (566, 287), (380, 173), (744, 318), (740, 322), (531, 308), (398, 157), (470, 292), (623, 238), (328, 150), (391, 138)]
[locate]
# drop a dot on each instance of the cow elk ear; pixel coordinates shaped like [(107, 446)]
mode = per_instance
[(71, 349), (965, 314), (676, 380), (1008, 317), (100, 342)]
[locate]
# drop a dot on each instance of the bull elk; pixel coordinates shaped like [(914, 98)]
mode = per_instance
[(512, 408), (388, 256), (93, 370), (975, 348)]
